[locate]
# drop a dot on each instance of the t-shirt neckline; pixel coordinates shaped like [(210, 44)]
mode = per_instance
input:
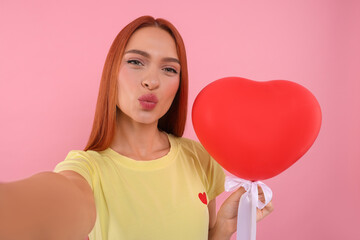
[(145, 165)]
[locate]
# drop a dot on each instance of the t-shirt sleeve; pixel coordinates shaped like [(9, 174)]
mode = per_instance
[(214, 174), (77, 161), (216, 179)]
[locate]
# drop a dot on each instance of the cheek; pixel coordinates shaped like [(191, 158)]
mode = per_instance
[(174, 86), (126, 80), (171, 92), (124, 75)]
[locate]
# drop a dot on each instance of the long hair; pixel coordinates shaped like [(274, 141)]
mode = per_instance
[(104, 124)]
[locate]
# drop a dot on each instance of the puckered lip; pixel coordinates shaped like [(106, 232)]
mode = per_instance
[(149, 98)]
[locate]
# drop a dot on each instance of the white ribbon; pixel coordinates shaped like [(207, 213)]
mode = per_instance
[(249, 201)]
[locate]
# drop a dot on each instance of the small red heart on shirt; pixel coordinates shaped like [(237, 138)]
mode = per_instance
[(203, 198)]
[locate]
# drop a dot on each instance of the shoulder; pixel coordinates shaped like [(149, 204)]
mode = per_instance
[(81, 162), (185, 141), (190, 143), (211, 173), (87, 160), (193, 148), (82, 155)]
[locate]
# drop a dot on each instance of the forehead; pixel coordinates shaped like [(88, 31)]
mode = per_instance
[(153, 40)]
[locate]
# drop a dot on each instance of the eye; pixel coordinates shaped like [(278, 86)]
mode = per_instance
[(168, 69), (134, 62)]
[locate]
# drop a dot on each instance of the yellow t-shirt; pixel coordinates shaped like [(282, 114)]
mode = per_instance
[(160, 199)]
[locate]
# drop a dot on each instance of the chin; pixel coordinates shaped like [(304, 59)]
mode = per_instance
[(146, 119)]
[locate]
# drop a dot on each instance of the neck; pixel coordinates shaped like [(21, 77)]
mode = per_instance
[(139, 141)]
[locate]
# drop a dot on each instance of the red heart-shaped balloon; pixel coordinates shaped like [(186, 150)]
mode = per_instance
[(256, 130)]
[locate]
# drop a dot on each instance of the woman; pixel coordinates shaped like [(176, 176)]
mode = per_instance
[(138, 178)]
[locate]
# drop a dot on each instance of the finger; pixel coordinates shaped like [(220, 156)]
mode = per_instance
[(261, 195), (262, 198), (235, 196), (262, 213), (269, 208)]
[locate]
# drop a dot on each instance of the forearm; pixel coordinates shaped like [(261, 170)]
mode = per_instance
[(44, 206), (220, 231)]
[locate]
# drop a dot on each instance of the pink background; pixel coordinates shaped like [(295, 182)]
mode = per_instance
[(52, 54)]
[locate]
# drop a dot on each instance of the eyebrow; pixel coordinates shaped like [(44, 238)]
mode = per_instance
[(147, 55)]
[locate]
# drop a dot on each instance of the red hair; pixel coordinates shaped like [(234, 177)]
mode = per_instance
[(104, 124)]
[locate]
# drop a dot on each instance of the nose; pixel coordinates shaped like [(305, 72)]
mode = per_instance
[(151, 81)]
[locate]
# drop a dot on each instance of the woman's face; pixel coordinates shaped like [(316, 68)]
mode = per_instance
[(149, 75)]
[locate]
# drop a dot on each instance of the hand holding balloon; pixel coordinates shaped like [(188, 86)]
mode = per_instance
[(229, 209), (227, 216)]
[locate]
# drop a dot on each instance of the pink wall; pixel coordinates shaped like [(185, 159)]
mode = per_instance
[(51, 58)]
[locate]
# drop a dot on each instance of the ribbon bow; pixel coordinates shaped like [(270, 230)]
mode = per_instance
[(249, 201)]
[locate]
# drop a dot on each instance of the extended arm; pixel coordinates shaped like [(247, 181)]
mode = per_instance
[(45, 206)]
